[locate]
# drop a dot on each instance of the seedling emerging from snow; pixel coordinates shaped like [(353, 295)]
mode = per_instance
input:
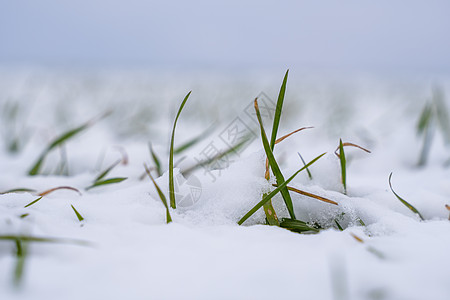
[(171, 180), (275, 191), (343, 161), (161, 195), (44, 193), (99, 181), (406, 203), (61, 140), (274, 165)]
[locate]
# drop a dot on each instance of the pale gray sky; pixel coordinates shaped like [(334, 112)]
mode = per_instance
[(357, 34)]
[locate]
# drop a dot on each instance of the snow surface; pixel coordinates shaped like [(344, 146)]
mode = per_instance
[(203, 253)]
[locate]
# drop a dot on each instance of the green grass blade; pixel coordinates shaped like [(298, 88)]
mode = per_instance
[(105, 172), (33, 202), (107, 181), (424, 119), (275, 191), (274, 165), (338, 225), (155, 160), (171, 181), (20, 262), (79, 216), (19, 190), (304, 163), (277, 117), (161, 195), (343, 166), (406, 203), (297, 226), (27, 238), (58, 141)]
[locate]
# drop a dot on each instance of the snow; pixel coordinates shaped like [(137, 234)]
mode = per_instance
[(203, 253)]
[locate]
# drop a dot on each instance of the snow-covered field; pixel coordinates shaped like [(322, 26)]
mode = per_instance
[(203, 254)]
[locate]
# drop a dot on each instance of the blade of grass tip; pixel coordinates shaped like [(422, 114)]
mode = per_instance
[(424, 119), (155, 160), (343, 166), (275, 191), (338, 225), (107, 181), (18, 190), (171, 180), (33, 202), (161, 195), (274, 165), (277, 117), (406, 203), (304, 163), (79, 216), (59, 188), (309, 195), (107, 170), (291, 133)]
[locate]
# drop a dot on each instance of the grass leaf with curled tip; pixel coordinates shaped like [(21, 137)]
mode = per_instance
[(161, 195), (171, 180), (33, 202), (275, 191), (309, 195), (291, 133), (18, 190), (346, 144), (44, 193), (155, 160), (406, 203), (79, 216), (274, 165), (107, 181), (297, 226)]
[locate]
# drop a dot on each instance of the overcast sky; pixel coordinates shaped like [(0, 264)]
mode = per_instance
[(362, 35)]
